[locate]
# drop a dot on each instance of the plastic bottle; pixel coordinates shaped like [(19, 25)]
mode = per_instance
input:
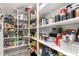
[(77, 35), (58, 40)]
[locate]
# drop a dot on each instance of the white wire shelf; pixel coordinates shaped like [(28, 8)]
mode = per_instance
[(60, 23), (9, 37), (53, 46), (33, 38), (15, 47), (22, 20), (23, 37), (14, 53), (33, 28), (64, 22), (22, 28), (15, 37)]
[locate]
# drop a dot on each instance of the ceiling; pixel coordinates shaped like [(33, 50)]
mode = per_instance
[(48, 8), (11, 7)]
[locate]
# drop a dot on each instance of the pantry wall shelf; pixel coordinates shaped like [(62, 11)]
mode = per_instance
[(29, 30), (53, 46), (14, 53), (33, 28), (34, 38), (20, 39), (21, 20), (23, 37), (22, 28), (61, 23), (15, 47), (15, 37), (9, 37)]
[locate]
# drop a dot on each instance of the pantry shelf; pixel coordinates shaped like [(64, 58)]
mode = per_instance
[(22, 51), (15, 47), (53, 46), (34, 38), (46, 29), (9, 37), (64, 22), (33, 27), (15, 37), (20, 20), (22, 28), (23, 37)]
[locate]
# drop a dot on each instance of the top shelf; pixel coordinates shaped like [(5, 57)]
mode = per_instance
[(60, 23)]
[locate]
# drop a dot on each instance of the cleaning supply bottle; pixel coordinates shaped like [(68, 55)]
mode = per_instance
[(63, 14), (44, 21), (58, 40), (73, 36)]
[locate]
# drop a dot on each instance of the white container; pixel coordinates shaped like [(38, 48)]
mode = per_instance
[(50, 20), (72, 37), (21, 16), (44, 21), (51, 39)]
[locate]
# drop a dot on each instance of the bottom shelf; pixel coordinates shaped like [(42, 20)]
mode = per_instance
[(15, 47), (21, 51), (55, 47), (44, 50)]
